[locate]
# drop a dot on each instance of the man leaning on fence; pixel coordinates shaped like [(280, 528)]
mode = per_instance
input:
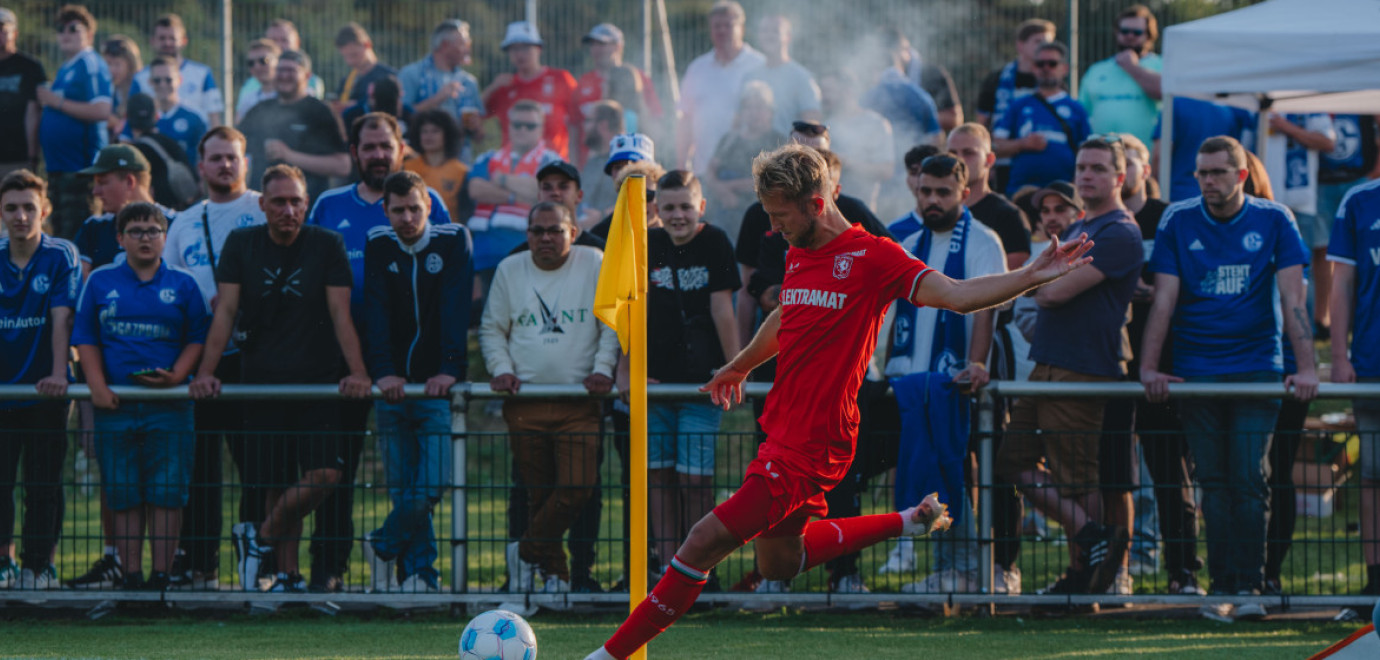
[(141, 322), (417, 278), (284, 292), (39, 279), (1080, 336), (1223, 263), (539, 327), (1355, 256)]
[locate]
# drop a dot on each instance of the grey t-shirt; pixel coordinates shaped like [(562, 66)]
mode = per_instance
[(1088, 333), (794, 90)]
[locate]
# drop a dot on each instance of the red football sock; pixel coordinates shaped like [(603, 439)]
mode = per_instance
[(827, 539), (673, 595)]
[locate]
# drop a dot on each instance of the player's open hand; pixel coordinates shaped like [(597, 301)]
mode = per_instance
[(1060, 260), (726, 387)]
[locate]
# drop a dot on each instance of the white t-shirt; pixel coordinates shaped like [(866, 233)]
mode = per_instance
[(793, 89), (709, 93), (198, 91), (984, 256), (862, 139), (186, 243), (1294, 170)]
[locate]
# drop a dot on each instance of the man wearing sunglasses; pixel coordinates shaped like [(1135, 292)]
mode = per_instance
[(1041, 131), (73, 127), (196, 83), (261, 61), (1122, 92), (504, 186), (175, 119)]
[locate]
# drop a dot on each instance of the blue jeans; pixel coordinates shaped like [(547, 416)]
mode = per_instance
[(416, 446), (1230, 441), (682, 435), (145, 450)]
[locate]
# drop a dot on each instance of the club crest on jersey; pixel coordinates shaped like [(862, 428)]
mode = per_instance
[(41, 284), (843, 266), (1253, 241), (433, 263), (168, 296)]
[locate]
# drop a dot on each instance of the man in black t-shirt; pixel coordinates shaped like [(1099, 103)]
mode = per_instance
[(20, 76), (972, 143), (289, 284), (296, 129)]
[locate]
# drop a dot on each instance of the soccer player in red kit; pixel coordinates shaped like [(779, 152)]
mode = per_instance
[(839, 281)]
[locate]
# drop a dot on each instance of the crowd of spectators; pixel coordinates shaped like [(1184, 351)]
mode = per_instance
[(358, 237)]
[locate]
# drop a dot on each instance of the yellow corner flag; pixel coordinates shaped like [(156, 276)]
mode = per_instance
[(620, 301), (623, 277)]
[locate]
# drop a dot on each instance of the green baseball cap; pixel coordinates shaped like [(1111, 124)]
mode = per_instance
[(117, 158)]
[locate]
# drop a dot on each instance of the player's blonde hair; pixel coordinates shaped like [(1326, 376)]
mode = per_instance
[(793, 171)]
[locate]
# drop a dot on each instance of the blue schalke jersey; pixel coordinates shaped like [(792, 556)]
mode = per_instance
[(1194, 122), (70, 144), (1356, 241), (342, 210), (96, 240), (183, 125), (140, 325), (27, 296), (1055, 162), (1227, 319)]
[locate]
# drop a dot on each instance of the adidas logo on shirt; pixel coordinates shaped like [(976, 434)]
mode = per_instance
[(344, 224), (1196, 245), (1375, 226), (112, 295)]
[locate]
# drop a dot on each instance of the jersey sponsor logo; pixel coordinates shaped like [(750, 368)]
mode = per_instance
[(1196, 245), (168, 296), (814, 298), (843, 266), (41, 284), (1375, 256), (195, 255), (22, 322), (354, 255), (1226, 280), (1253, 241), (434, 263)]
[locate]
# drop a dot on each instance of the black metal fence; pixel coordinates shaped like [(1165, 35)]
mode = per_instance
[(481, 512)]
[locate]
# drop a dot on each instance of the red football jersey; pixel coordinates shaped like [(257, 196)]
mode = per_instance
[(554, 89), (832, 303)]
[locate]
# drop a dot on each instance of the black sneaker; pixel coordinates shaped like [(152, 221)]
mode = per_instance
[(159, 581), (1185, 584), (325, 583), (105, 573), (288, 583), (132, 581), (585, 584), (1104, 548), (1071, 582)]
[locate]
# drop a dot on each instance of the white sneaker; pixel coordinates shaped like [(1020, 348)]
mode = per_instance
[(1006, 582), (1250, 611), (901, 559), (414, 584), (383, 575), (42, 580), (1122, 585), (768, 587), (947, 581), (555, 585), (520, 573), (1219, 612), (851, 584)]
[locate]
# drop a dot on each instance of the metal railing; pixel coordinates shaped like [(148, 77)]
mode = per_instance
[(460, 585)]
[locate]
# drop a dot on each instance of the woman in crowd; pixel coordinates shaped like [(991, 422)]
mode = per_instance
[(122, 57), (435, 137)]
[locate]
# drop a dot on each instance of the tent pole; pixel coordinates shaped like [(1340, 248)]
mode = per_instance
[(1262, 125), (1166, 173)]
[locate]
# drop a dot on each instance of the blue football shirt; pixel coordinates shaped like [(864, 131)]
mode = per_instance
[(140, 325), (183, 125), (1028, 115), (1356, 241), (51, 279), (70, 144), (1227, 319), (342, 210), (1194, 122)]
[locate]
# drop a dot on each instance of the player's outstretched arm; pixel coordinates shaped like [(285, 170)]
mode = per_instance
[(726, 387), (968, 296)]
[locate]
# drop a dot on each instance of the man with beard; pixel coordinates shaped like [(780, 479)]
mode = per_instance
[(1122, 92), (931, 349), (376, 147), (196, 244), (1079, 337), (295, 129), (1042, 131)]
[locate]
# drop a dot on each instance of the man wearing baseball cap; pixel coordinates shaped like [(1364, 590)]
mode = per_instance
[(554, 89), (119, 177), (605, 43), (18, 98)]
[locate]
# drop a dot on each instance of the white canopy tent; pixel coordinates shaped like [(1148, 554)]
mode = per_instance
[(1294, 55)]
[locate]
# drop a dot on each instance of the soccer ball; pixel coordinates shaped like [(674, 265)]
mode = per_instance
[(498, 635)]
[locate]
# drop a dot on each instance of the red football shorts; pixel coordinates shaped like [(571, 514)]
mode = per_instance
[(774, 501)]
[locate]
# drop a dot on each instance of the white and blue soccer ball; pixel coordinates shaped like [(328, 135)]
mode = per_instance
[(498, 635)]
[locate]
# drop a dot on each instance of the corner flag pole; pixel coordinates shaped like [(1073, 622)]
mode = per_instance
[(620, 301)]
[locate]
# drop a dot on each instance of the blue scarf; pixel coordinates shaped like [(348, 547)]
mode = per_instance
[(949, 344), (1006, 92), (934, 441)]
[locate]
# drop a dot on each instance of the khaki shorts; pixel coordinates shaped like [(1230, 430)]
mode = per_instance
[(1069, 437)]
